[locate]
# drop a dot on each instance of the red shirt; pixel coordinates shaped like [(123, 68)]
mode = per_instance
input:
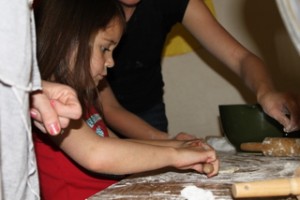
[(60, 177)]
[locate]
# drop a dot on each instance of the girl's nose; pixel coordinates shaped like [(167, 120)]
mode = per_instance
[(110, 63)]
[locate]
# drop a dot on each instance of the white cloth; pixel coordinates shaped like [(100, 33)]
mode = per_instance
[(18, 76), (290, 13)]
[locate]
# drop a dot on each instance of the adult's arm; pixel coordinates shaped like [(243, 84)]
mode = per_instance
[(123, 121), (283, 107)]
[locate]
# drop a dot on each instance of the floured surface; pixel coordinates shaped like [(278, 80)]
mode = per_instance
[(220, 144), (192, 192), (241, 167)]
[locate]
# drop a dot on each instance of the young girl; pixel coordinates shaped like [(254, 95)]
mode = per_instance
[(76, 39)]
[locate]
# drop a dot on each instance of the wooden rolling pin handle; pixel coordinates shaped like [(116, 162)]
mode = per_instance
[(268, 188), (252, 146), (295, 186)]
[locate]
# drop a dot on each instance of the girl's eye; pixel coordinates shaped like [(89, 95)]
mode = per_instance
[(104, 49)]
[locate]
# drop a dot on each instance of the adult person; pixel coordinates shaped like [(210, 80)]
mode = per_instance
[(137, 80), (19, 75), (78, 163), (18, 78)]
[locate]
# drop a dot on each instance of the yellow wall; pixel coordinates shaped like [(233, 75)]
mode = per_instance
[(181, 41)]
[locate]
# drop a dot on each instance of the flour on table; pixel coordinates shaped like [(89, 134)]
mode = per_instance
[(194, 193), (220, 144), (228, 170)]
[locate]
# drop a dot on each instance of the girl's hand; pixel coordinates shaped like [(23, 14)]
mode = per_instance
[(196, 159), (206, 157), (196, 143)]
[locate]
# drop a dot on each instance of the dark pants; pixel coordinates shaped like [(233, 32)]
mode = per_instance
[(156, 116)]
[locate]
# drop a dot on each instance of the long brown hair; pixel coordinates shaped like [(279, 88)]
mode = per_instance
[(65, 28)]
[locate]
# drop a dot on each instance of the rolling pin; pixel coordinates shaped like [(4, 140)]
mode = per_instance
[(268, 188), (274, 146)]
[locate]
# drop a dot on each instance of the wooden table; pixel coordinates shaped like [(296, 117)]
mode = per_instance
[(240, 167)]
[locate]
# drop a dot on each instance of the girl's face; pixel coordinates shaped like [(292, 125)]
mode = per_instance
[(104, 43)]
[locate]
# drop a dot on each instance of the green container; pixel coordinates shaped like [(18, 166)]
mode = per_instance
[(247, 123)]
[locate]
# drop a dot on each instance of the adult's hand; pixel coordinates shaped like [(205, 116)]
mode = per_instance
[(53, 107), (184, 136), (283, 107)]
